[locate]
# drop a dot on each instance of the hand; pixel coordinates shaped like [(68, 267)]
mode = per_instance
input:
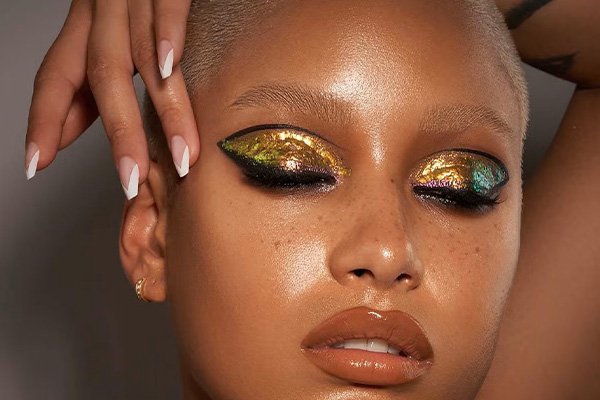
[(88, 72)]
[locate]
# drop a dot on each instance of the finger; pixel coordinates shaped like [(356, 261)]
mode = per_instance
[(61, 74), (170, 98), (82, 114), (110, 70), (170, 17)]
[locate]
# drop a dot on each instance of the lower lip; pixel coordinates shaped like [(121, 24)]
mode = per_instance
[(367, 367)]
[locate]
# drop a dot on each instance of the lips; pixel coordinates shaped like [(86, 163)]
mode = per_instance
[(323, 347)]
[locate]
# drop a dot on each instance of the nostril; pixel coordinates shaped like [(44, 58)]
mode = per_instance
[(403, 277), (359, 271)]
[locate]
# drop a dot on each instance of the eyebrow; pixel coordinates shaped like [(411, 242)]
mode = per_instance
[(458, 118), (296, 98), (455, 118)]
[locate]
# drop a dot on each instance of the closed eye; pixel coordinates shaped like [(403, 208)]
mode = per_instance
[(461, 178), (281, 156)]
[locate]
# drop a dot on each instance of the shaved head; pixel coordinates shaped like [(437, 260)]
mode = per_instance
[(214, 26)]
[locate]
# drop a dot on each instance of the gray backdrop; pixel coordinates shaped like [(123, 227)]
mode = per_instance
[(70, 324)]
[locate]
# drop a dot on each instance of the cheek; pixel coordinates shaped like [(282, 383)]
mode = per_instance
[(245, 275), (469, 265), (236, 273)]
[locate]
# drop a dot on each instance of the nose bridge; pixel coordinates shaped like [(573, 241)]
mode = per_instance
[(380, 216), (374, 245)]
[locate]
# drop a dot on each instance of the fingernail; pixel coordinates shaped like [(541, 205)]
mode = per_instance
[(165, 58), (130, 176), (181, 155), (32, 156)]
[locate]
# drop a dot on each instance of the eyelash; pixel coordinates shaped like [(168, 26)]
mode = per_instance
[(282, 180), (463, 199), (277, 179)]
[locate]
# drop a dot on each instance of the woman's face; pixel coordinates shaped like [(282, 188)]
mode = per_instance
[(276, 230)]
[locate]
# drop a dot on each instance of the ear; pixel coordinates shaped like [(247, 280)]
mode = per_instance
[(143, 235)]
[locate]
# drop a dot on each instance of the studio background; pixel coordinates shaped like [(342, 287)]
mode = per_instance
[(70, 324)]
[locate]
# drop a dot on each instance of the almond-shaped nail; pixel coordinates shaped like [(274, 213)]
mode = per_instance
[(181, 155), (165, 58), (129, 174), (32, 156)]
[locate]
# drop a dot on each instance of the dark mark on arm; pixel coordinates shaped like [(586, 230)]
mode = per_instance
[(558, 65), (519, 14)]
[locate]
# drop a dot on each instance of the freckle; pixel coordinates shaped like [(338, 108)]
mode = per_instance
[(477, 249), (277, 243), (392, 180)]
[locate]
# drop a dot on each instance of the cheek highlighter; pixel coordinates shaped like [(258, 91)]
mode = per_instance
[(286, 149), (461, 170)]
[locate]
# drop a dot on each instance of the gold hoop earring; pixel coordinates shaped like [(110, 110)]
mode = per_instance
[(139, 289)]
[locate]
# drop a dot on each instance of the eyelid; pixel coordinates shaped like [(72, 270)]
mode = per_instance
[(284, 147), (484, 154), (265, 127), (461, 169)]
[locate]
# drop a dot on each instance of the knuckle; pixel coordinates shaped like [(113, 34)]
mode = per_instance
[(171, 115), (46, 76), (143, 53), (165, 17), (107, 69), (42, 77), (117, 133), (38, 121), (99, 71)]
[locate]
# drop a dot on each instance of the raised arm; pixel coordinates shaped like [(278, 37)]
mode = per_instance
[(560, 37), (549, 345)]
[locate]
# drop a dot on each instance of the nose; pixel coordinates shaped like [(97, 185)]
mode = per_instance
[(373, 249)]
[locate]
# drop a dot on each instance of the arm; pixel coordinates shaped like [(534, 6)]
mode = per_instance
[(561, 37), (552, 320)]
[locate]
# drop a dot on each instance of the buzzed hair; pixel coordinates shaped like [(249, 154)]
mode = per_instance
[(215, 25)]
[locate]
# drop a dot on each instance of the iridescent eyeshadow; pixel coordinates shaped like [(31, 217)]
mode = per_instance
[(461, 170), (288, 150)]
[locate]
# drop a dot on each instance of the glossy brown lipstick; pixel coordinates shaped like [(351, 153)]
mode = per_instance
[(409, 357)]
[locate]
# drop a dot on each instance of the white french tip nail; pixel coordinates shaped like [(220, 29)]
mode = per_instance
[(181, 155), (132, 188), (32, 166), (167, 68), (130, 177), (184, 167)]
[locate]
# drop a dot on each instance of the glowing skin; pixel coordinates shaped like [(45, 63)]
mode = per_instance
[(249, 271)]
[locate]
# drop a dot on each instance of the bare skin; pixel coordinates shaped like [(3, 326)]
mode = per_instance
[(551, 321), (252, 270), (533, 324)]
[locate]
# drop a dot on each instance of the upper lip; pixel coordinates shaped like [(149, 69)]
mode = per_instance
[(398, 328)]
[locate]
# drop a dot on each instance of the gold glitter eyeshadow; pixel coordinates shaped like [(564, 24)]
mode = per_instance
[(461, 171), (287, 149)]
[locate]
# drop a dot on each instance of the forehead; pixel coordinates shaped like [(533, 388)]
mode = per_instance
[(399, 57)]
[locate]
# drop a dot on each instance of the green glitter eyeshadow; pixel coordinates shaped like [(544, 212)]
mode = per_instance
[(461, 170)]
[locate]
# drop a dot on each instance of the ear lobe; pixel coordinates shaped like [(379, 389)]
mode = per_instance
[(142, 238)]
